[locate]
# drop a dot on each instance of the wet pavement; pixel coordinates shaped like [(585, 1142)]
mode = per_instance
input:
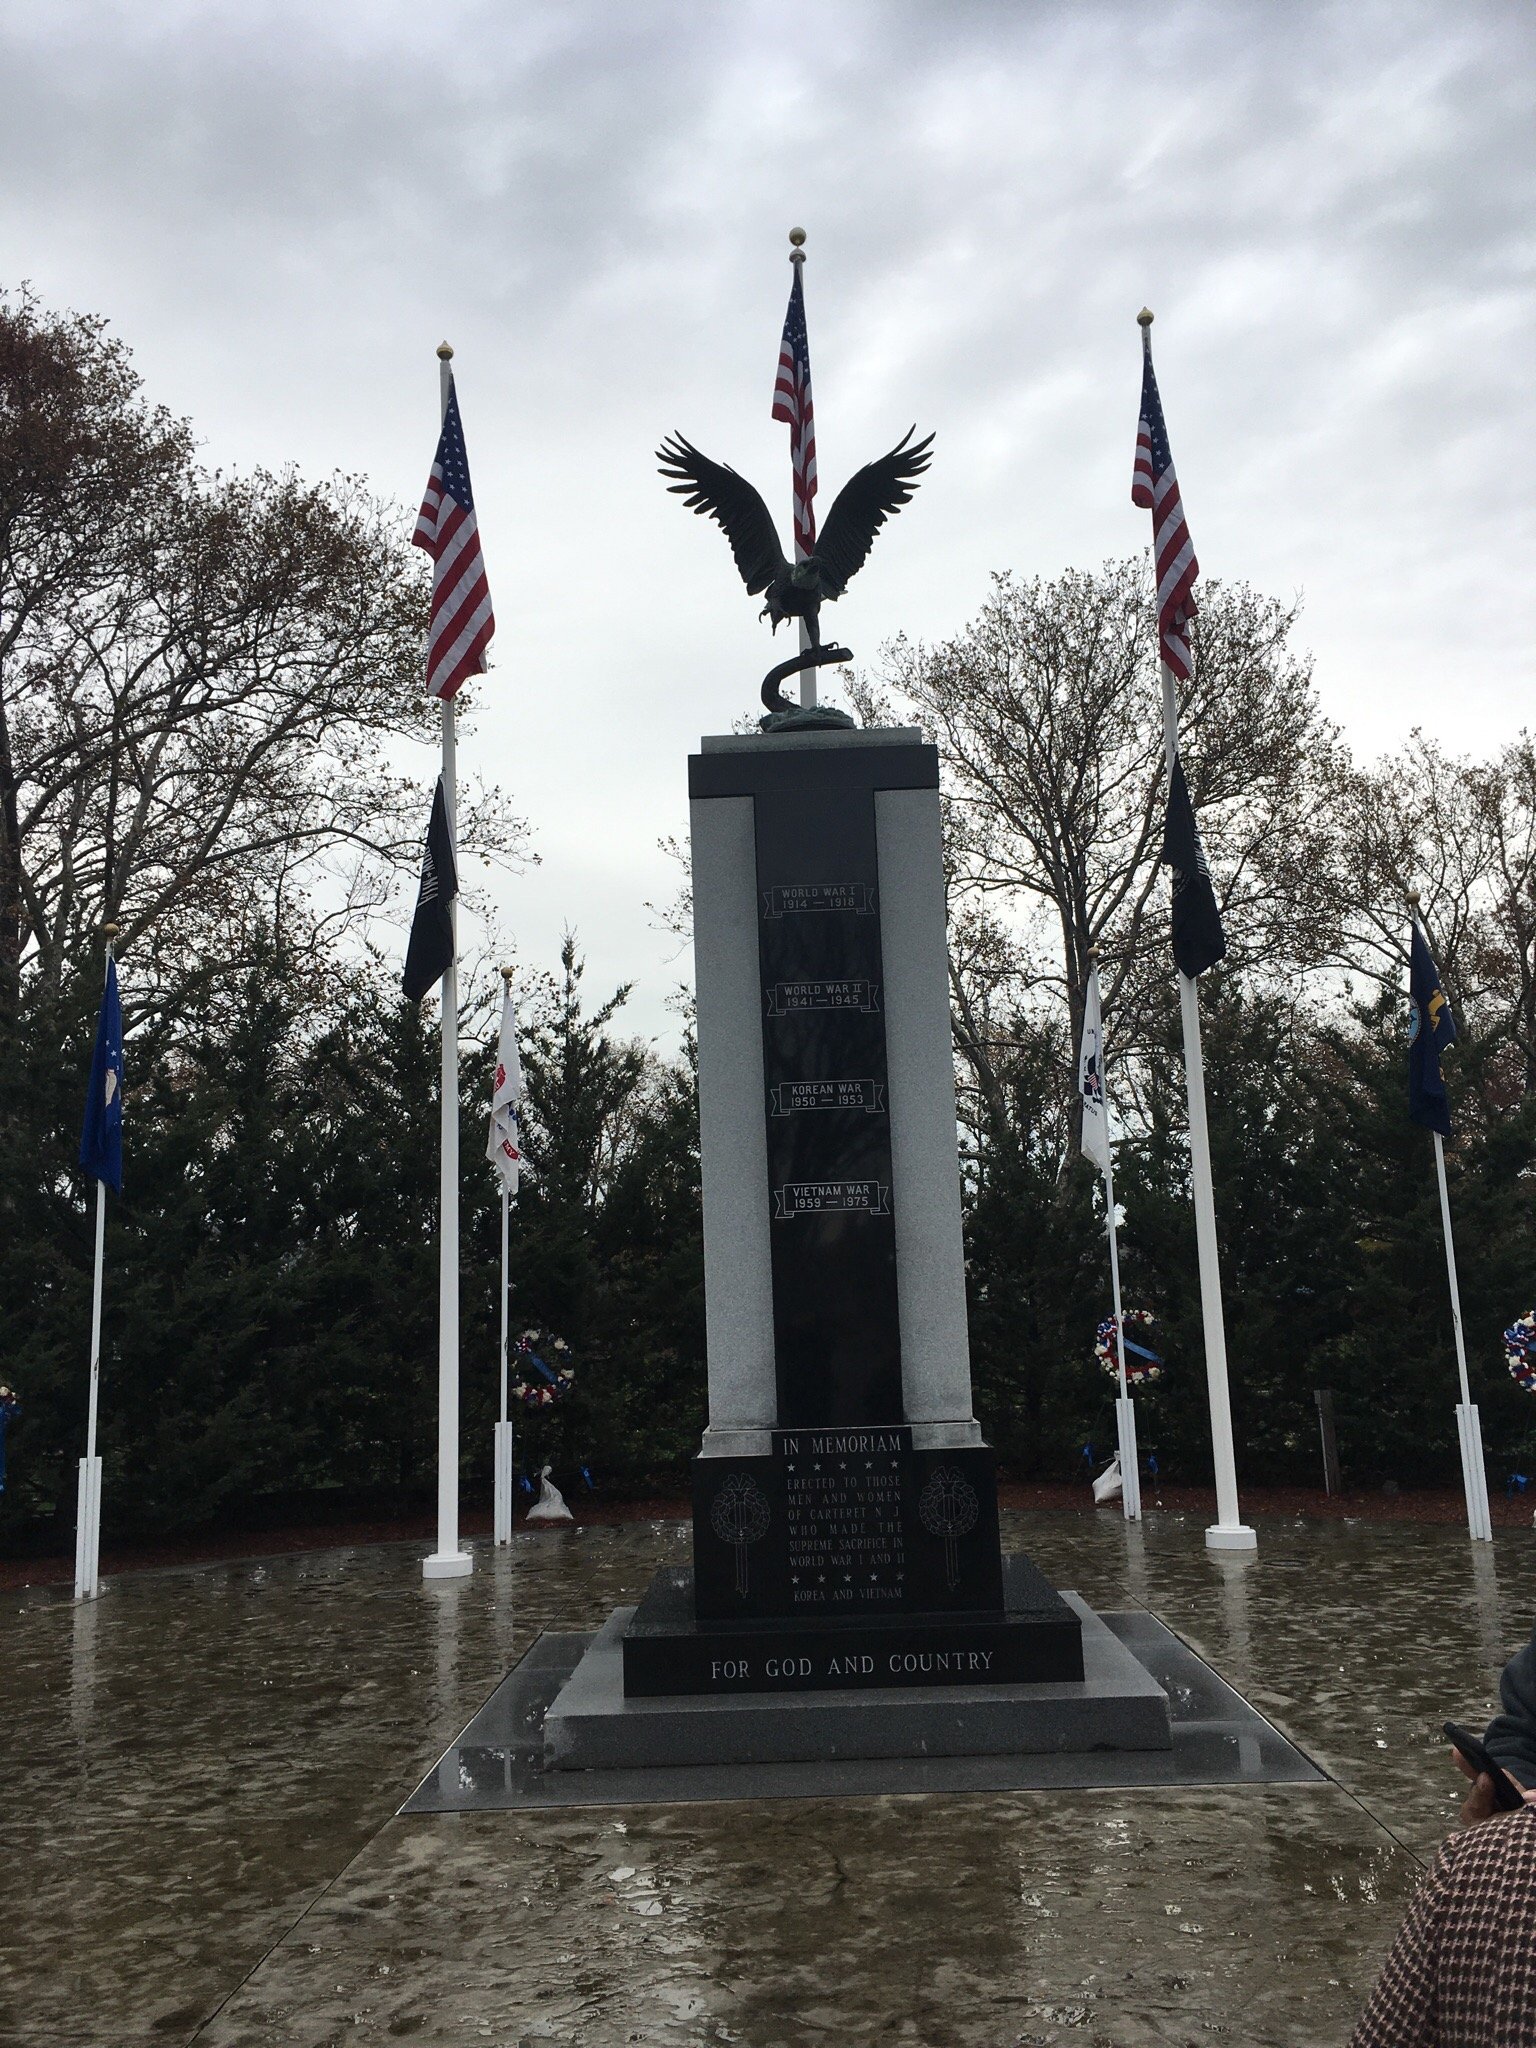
[(205, 1767)]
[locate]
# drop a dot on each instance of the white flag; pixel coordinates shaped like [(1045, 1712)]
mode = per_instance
[(1090, 1079), (502, 1147)]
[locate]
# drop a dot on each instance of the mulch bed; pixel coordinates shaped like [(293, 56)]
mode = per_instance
[(210, 1546)]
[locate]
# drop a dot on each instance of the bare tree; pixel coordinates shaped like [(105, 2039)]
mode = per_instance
[(1046, 711), (77, 445), (200, 679)]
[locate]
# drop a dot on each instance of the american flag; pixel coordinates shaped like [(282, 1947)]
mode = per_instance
[(792, 404), (462, 621), (1155, 485)]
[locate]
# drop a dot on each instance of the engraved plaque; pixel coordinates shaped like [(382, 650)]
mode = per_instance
[(798, 898), (846, 1522), (786, 997), (843, 1518), (814, 1197), (793, 1096)]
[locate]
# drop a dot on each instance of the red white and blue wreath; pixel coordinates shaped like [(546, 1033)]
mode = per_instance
[(545, 1374), (1142, 1365), (1518, 1340)]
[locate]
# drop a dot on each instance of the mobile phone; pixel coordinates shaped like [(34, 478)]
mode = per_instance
[(1506, 1794)]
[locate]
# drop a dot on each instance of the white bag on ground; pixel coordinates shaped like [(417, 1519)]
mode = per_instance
[(1108, 1485), (550, 1505)]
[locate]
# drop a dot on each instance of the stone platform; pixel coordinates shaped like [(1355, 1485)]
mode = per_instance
[(592, 1726)]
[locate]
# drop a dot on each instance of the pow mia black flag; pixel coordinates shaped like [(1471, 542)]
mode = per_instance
[(1198, 940), (430, 952)]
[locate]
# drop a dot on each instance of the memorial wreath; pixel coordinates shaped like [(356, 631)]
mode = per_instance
[(1518, 1339), (542, 1381), (1141, 1365)]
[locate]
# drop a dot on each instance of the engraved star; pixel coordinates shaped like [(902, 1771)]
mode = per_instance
[(816, 1468), (821, 1578), (869, 1464), (794, 1578), (847, 1578)]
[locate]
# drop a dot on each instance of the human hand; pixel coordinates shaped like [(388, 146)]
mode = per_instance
[(1479, 1803)]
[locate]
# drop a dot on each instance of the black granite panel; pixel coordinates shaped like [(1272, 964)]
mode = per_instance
[(954, 1551), (740, 1551), (749, 771), (846, 1521), (668, 1649), (837, 1338)]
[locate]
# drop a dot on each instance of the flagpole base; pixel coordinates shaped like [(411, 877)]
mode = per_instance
[(1130, 1459), (1231, 1536), (88, 1530), (1474, 1473), (502, 1520), (454, 1564)]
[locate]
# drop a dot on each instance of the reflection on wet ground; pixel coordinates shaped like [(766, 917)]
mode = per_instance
[(204, 1766)]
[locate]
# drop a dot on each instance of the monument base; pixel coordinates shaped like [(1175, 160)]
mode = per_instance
[(1115, 1705), (668, 1649)]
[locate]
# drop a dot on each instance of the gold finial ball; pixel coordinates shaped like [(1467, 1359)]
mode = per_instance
[(1095, 955), (1413, 898), (509, 975), (1145, 317), (797, 236), (110, 931), (444, 352)]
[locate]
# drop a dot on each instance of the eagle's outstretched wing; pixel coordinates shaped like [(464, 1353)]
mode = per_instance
[(711, 487), (862, 507)]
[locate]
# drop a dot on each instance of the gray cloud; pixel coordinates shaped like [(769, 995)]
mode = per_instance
[(283, 208)]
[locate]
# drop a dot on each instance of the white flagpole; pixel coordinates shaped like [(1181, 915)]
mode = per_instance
[(88, 1490), (1125, 1407), (448, 1561), (807, 675), (503, 1446), (1228, 1531), (1469, 1430), (503, 1460), (506, 1208)]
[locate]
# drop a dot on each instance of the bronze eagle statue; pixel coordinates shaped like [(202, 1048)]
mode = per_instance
[(797, 590)]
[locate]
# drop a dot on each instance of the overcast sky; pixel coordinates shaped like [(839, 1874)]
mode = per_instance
[(283, 208)]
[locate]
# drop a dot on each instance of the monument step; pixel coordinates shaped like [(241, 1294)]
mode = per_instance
[(1115, 1705)]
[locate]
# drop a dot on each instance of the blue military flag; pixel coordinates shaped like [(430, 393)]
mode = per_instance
[(1431, 1028), (101, 1140)]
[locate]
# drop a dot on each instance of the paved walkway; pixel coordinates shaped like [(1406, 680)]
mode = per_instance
[(204, 1766)]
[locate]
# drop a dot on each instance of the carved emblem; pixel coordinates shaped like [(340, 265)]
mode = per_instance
[(739, 1515), (948, 1507)]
